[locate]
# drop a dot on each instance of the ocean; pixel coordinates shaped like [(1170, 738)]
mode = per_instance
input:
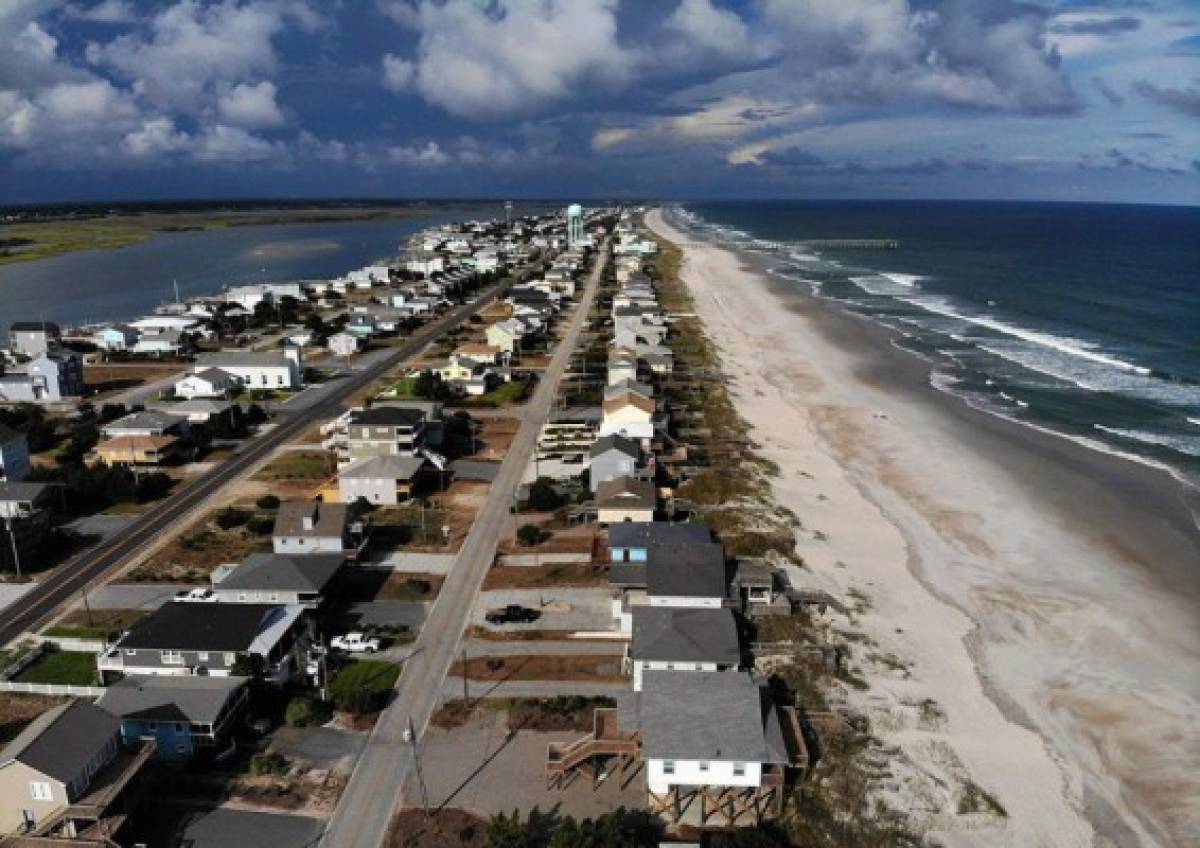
[(1078, 319)]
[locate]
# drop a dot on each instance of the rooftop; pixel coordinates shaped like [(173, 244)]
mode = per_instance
[(60, 741), (311, 519), (626, 492), (387, 416), (693, 571), (279, 572), (658, 533), (195, 699), (206, 627), (393, 467), (674, 634)]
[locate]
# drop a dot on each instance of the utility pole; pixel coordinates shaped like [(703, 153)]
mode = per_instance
[(412, 740), (466, 689), (12, 538), (87, 607)]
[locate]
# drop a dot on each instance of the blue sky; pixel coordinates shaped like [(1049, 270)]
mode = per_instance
[(1064, 100)]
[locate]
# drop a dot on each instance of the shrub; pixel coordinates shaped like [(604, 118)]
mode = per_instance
[(266, 764), (304, 711), (261, 525), (267, 502), (231, 517), (356, 701), (543, 497), (529, 534)]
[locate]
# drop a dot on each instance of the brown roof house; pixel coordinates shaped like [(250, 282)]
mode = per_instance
[(625, 499), (312, 527)]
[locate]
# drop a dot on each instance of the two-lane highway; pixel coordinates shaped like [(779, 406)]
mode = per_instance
[(101, 562)]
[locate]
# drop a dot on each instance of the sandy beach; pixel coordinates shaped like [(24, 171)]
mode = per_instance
[(1032, 608)]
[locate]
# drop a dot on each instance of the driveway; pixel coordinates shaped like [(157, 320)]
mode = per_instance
[(389, 613), (100, 527), (225, 828), (563, 608), (321, 747), (149, 596)]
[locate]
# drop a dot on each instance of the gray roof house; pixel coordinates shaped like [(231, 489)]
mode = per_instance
[(611, 457), (55, 761), (184, 638), (380, 479), (148, 422), (180, 713), (705, 730), (277, 578), (675, 639), (310, 527), (631, 542)]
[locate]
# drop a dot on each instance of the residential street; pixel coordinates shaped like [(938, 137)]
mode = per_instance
[(366, 807)]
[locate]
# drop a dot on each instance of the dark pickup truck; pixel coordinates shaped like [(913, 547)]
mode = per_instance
[(512, 614)]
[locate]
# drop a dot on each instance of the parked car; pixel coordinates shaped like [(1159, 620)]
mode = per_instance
[(198, 595), (354, 643), (512, 614)]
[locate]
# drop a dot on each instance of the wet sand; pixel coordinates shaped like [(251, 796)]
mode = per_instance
[(1044, 596)]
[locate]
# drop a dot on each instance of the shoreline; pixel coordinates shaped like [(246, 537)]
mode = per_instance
[(1041, 593)]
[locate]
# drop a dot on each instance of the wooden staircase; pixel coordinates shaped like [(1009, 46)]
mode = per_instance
[(588, 754)]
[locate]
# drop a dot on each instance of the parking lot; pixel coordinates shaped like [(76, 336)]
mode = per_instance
[(562, 608)]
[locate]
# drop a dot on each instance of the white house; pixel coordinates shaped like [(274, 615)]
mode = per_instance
[(282, 370), (384, 480), (506, 334), (207, 383), (165, 343), (310, 527), (426, 266), (625, 499), (629, 414), (249, 297), (714, 731), (682, 640)]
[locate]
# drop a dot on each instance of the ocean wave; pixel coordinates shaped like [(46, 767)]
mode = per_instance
[(1181, 444), (907, 280), (1062, 344), (946, 383)]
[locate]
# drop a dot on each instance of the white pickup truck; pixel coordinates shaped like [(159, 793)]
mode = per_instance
[(354, 643)]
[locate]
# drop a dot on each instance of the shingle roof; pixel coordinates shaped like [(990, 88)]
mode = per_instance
[(195, 699), (243, 359), (203, 627), (703, 716), (328, 519), (386, 416), (22, 491), (626, 492), (147, 419), (692, 571), (61, 741), (298, 573), (658, 533), (615, 442), (671, 634)]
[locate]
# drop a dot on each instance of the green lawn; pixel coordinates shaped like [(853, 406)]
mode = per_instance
[(103, 623), (374, 676), (508, 394), (405, 389), (69, 667)]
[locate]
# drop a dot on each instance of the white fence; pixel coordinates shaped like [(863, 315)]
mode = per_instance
[(52, 689), (567, 558), (418, 561)]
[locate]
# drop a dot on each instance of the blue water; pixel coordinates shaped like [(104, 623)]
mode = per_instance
[(108, 285), (1081, 319)]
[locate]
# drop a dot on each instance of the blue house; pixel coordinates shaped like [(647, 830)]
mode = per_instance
[(183, 715), (632, 541)]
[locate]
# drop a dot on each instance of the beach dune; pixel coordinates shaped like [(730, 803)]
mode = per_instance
[(1031, 607)]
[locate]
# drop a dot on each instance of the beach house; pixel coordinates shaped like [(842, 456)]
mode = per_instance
[(311, 527), (384, 480), (293, 579), (181, 715), (611, 457), (629, 414), (625, 499), (33, 338), (682, 639), (50, 377), (281, 370), (207, 383)]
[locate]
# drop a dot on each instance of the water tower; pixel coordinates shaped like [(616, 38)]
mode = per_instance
[(574, 225)]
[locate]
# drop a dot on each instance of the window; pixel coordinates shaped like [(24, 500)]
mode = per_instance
[(39, 790), (230, 659), (739, 769), (131, 652), (171, 657), (699, 666), (668, 766), (703, 766), (202, 656), (180, 728)]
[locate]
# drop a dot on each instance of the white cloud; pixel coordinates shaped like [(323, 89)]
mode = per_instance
[(398, 74), (223, 143), (703, 25), (723, 120), (512, 56), (155, 137), (251, 106), (428, 155)]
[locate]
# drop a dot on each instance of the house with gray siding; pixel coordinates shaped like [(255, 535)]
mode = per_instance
[(184, 638), (612, 457), (293, 579)]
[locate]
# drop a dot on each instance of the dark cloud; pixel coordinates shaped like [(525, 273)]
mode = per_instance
[(792, 157), (1186, 101), (1099, 26)]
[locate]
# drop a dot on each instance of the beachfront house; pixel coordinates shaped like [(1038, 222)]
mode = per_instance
[(182, 715), (682, 640), (633, 542), (690, 575), (49, 377), (14, 455), (611, 457), (625, 499), (185, 638), (629, 414)]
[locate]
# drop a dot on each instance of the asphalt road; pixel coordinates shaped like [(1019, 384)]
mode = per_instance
[(365, 810), (100, 562)]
